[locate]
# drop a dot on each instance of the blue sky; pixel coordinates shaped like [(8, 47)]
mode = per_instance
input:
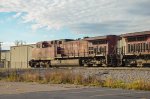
[(41, 20), (12, 29)]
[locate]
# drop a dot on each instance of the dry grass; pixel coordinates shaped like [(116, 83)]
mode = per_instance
[(13, 77), (139, 85), (114, 83), (68, 77), (31, 77), (58, 77)]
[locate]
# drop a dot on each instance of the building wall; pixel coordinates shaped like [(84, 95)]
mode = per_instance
[(21, 55), (5, 57)]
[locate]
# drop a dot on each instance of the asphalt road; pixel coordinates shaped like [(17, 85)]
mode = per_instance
[(86, 93)]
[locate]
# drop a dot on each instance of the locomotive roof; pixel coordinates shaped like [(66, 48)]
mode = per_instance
[(66, 40), (98, 37), (57, 40), (136, 34)]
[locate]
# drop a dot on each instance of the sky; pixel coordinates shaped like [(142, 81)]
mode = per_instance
[(43, 20)]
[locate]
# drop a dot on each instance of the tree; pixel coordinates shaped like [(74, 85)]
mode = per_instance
[(19, 42)]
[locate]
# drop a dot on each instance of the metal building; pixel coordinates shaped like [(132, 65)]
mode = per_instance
[(20, 56)]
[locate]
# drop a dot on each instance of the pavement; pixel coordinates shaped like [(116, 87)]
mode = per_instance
[(84, 93)]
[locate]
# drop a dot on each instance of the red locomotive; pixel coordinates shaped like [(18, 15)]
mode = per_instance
[(137, 52), (130, 49)]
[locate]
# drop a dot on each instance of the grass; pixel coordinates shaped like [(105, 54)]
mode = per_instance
[(114, 83), (139, 85), (30, 77), (68, 77)]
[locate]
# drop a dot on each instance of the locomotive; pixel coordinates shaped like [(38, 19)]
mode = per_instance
[(130, 49), (136, 48)]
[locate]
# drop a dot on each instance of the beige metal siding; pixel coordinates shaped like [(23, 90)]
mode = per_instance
[(20, 56), (5, 56)]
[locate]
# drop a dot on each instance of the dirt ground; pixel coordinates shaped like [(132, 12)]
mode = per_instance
[(24, 87)]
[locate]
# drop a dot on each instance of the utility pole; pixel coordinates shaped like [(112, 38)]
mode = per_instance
[(0, 52)]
